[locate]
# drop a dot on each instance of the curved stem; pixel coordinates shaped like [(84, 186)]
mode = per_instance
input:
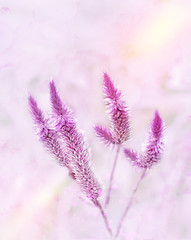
[(130, 203), (111, 177), (98, 205)]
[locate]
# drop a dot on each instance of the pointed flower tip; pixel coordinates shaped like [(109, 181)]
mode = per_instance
[(52, 84), (57, 105), (104, 134), (107, 82), (53, 91), (157, 115), (104, 73), (35, 111), (31, 100), (117, 110), (106, 76), (157, 125), (110, 90), (32, 104)]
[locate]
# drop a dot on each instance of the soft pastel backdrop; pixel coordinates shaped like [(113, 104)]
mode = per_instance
[(145, 45)]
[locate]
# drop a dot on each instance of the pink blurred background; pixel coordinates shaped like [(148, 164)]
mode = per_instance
[(145, 47)]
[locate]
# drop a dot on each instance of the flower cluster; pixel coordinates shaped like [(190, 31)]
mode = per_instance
[(77, 150), (63, 139), (47, 136)]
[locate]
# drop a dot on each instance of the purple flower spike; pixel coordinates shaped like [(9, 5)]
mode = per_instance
[(155, 142), (47, 136), (153, 149), (157, 126), (77, 149), (119, 123), (104, 134), (110, 90), (151, 156), (36, 112), (57, 106), (76, 157), (118, 113)]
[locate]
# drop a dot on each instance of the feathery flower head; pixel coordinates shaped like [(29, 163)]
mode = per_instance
[(62, 116), (36, 112), (153, 149), (110, 90), (77, 150), (155, 143), (157, 126), (104, 134), (46, 135), (57, 106), (118, 113)]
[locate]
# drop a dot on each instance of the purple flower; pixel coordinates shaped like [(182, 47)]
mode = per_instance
[(77, 150), (131, 154), (153, 149), (76, 157), (118, 113), (46, 135), (104, 134)]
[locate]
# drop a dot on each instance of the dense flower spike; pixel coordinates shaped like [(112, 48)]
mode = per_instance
[(119, 122), (110, 90), (157, 127), (76, 156), (47, 136), (153, 147), (77, 149), (36, 112), (118, 111), (57, 107)]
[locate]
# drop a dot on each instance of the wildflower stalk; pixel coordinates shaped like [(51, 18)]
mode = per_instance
[(99, 206), (119, 129), (129, 203), (77, 151), (111, 176), (152, 155)]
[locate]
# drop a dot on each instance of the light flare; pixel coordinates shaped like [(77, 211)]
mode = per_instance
[(161, 28)]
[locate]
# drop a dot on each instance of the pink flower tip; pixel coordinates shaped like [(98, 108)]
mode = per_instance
[(118, 113), (157, 127), (57, 105), (110, 90), (104, 134), (36, 111)]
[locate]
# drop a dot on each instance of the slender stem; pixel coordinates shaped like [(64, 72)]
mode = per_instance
[(111, 177), (130, 203), (98, 205)]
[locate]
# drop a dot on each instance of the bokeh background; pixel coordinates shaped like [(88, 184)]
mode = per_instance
[(145, 47)]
